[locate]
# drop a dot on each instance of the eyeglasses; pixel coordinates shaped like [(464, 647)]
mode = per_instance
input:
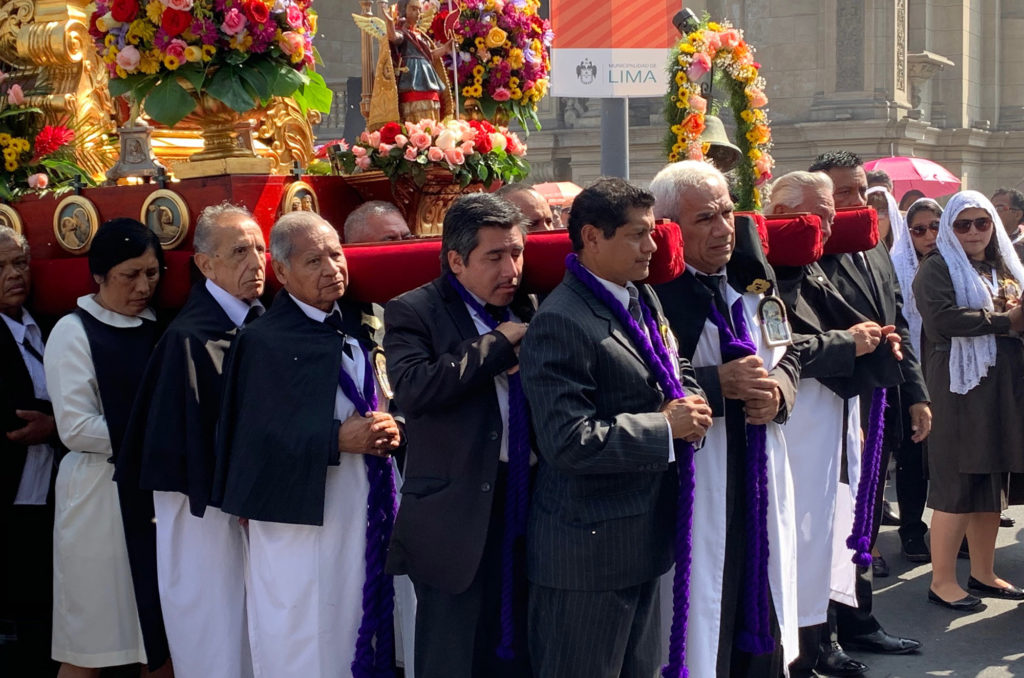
[(963, 226), (919, 231)]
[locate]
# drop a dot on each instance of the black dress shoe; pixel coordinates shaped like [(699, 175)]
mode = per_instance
[(916, 550), (966, 603), (1006, 521), (1011, 593), (879, 568), (833, 661), (881, 642), (889, 516)]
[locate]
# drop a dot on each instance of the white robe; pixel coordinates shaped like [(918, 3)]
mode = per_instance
[(844, 571), (706, 572)]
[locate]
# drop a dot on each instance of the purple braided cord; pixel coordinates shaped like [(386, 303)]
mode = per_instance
[(755, 635), (660, 359), (864, 513), (517, 493), (374, 660)]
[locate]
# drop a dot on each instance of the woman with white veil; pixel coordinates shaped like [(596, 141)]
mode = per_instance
[(968, 293)]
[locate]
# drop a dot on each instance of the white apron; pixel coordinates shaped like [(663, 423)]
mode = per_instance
[(844, 571)]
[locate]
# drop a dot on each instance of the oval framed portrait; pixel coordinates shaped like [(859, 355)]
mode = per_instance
[(10, 218), (300, 197), (75, 222), (166, 214)]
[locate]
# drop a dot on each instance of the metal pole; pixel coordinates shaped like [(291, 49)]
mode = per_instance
[(455, 71), (615, 137)]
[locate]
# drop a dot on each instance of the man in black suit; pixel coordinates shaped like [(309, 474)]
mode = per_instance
[(27, 463), (452, 350), (716, 295), (608, 400), (867, 281), (169, 449)]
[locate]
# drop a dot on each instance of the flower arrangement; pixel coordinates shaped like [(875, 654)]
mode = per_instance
[(36, 158), (720, 47), (470, 150), (240, 52), (503, 54)]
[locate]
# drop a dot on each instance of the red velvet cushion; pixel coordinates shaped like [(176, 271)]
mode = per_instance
[(794, 239), (381, 271), (544, 260), (667, 263), (854, 230), (762, 228)]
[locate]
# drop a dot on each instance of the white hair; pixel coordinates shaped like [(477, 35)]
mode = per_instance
[(672, 181), (208, 221), (282, 235), (789, 189), (9, 234)]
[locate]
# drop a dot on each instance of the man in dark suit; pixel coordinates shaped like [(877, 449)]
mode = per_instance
[(715, 298), (452, 348), (169, 449), (27, 464), (607, 400), (867, 281)]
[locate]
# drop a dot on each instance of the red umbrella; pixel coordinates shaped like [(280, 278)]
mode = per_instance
[(558, 193), (919, 174)]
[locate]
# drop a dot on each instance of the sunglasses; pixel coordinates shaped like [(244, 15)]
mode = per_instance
[(963, 226), (919, 231)]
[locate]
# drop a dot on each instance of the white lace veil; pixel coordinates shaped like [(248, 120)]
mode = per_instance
[(905, 261), (897, 224), (970, 357)]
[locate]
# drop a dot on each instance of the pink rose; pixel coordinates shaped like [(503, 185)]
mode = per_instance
[(38, 180), (435, 154), (514, 145), (15, 95), (128, 58), (374, 138), (501, 94), (291, 42), (420, 140), (359, 151), (730, 38), (454, 156), (385, 148), (176, 48), (756, 97), (698, 103), (401, 140), (363, 163), (699, 67), (180, 5), (234, 22), (466, 147), (764, 164), (294, 16), (411, 153), (713, 41)]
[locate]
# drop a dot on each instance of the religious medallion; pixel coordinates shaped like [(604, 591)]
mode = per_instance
[(774, 324), (166, 214), (300, 197), (380, 370), (10, 218), (75, 222)]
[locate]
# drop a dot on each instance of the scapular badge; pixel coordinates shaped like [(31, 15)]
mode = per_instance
[(380, 371), (774, 324)]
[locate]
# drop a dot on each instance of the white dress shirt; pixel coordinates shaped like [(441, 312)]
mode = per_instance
[(35, 477), (235, 308)]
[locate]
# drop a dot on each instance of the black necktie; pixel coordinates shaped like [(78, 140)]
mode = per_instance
[(255, 311), (861, 264), (31, 350), (714, 283), (496, 312), (333, 319)]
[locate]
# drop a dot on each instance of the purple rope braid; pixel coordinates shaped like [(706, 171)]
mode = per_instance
[(755, 635), (864, 513), (517, 494), (660, 359), (374, 660)]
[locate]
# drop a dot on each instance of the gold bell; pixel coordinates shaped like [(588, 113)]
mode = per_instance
[(722, 152)]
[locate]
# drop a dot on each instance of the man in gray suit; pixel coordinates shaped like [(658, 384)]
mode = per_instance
[(602, 514)]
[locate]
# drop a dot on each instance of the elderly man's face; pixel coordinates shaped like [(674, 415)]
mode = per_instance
[(816, 202), (15, 279), (238, 261), (705, 218), (849, 186), (494, 268), (535, 208), (316, 272), (387, 227)]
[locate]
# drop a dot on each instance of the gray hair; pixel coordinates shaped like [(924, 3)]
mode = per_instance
[(208, 221), (672, 181), (282, 235), (355, 223), (789, 189), (8, 234)]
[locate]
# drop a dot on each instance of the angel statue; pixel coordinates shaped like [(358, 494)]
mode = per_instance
[(420, 89)]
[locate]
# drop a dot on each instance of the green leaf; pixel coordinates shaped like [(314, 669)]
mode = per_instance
[(194, 73), (119, 86), (227, 86), (316, 57), (258, 81), (318, 95), (168, 103), (286, 81), (301, 101), (235, 57)]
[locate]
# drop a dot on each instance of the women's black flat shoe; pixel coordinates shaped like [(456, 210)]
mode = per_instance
[(1011, 593), (968, 602)]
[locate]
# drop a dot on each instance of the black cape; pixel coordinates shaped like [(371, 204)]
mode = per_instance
[(277, 432)]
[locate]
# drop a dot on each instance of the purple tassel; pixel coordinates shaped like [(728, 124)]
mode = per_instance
[(375, 642), (864, 514), (517, 494), (660, 360)]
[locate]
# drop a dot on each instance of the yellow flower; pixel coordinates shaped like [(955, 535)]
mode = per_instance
[(754, 154), (479, 42), (713, 26), (121, 73), (313, 21), (141, 30), (11, 166), (517, 93), (515, 58), (208, 52), (687, 48), (680, 78), (11, 153), (541, 87), (171, 62), (513, 81), (747, 116), (154, 10), (467, 91), (193, 53), (5, 138), (110, 41), (23, 145), (478, 71), (495, 38), (150, 62), (673, 157)]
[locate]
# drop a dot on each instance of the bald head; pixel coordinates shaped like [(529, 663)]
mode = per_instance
[(533, 206)]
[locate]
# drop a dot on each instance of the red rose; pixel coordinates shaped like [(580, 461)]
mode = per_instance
[(482, 143), (389, 131), (125, 10), (256, 12), (175, 22)]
